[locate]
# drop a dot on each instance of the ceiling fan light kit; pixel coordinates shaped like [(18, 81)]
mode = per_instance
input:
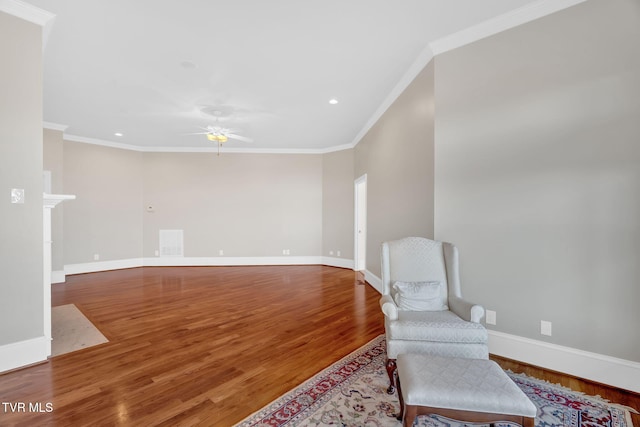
[(217, 138)]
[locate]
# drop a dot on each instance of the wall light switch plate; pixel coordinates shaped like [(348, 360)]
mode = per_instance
[(17, 195), (545, 328), (491, 317)]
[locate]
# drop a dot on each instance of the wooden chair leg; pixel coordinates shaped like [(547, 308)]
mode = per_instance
[(391, 371)]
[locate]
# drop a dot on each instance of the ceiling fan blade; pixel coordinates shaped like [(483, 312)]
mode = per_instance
[(239, 138), (197, 133)]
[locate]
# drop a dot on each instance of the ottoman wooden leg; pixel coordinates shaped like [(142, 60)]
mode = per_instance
[(408, 413), (401, 399)]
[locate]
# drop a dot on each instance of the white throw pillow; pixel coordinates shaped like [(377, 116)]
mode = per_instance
[(419, 296)]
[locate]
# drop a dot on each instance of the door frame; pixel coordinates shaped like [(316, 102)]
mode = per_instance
[(360, 224)]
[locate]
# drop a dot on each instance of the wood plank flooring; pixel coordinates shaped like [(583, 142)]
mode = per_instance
[(197, 345)]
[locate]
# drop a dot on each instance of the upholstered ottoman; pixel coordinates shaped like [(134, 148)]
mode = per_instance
[(471, 390)]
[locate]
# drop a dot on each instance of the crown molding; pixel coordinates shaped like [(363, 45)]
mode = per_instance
[(102, 142), (425, 56), (31, 14), (477, 32), (213, 149), (54, 126), (26, 11), (485, 29), (501, 23)]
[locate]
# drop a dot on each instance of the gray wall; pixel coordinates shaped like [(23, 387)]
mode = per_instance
[(397, 154), (106, 217), (53, 161), (538, 174), (248, 205), (21, 287), (338, 204), (252, 205)]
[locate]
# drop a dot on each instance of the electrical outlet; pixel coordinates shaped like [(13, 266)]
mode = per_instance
[(491, 317), (221, 252), (96, 257), (286, 252), (330, 252), (338, 253), (157, 252), (545, 328)]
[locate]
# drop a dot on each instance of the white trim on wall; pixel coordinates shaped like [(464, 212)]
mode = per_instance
[(501, 23), (604, 369), (92, 267), (425, 56), (488, 28), (31, 14), (26, 11), (23, 353), (54, 126), (592, 366), (58, 276), (209, 149), (230, 261), (373, 280), (337, 262)]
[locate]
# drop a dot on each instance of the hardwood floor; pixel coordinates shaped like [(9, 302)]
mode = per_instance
[(612, 394), (196, 345)]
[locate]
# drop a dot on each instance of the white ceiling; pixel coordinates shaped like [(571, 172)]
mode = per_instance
[(145, 68)]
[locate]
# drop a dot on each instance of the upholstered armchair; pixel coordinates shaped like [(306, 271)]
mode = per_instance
[(422, 303)]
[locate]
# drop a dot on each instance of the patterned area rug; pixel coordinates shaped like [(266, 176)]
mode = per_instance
[(71, 330), (352, 393)]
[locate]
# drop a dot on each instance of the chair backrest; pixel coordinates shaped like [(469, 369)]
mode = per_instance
[(417, 259)]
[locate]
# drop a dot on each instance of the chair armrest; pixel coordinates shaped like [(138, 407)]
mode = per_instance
[(466, 310), (389, 307)]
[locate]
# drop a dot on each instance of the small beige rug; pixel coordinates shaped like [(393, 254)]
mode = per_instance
[(72, 331)]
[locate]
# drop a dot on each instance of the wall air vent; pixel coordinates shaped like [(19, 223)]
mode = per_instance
[(171, 243)]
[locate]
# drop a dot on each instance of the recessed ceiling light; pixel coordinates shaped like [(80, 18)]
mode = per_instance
[(333, 101), (117, 134)]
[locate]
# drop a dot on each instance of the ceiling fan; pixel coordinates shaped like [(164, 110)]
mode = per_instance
[(221, 135)]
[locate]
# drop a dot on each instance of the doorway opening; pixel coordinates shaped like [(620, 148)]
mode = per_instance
[(360, 227)]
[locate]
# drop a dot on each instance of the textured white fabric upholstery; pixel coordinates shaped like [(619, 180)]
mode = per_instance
[(456, 332), (461, 384), (438, 326), (470, 351), (420, 296)]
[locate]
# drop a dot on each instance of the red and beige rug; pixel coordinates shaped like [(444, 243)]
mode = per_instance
[(352, 393)]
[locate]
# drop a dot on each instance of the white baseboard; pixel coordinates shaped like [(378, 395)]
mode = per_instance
[(609, 370), (229, 261), (23, 353), (373, 280), (91, 267), (58, 276), (337, 262)]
